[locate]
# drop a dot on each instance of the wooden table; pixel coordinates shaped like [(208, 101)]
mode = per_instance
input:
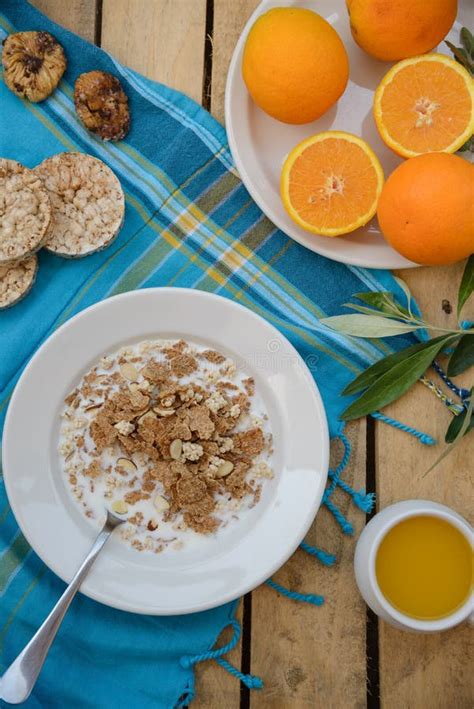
[(337, 656)]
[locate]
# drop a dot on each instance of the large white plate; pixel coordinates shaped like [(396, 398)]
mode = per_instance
[(259, 143), (226, 566)]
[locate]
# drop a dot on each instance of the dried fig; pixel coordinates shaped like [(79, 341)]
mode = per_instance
[(102, 104), (33, 63)]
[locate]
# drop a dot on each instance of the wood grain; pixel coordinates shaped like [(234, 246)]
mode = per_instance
[(418, 670), (163, 39), (312, 656), (77, 15), (215, 688), (307, 656), (230, 16)]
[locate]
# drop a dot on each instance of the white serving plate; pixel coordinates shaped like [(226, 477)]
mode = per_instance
[(259, 143), (225, 566)]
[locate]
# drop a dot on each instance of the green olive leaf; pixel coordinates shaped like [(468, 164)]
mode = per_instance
[(456, 424), (466, 287), (468, 145), (460, 55), (396, 380), (467, 39), (371, 311), (383, 300), (466, 425), (408, 295), (361, 309), (375, 371), (368, 325), (465, 54), (463, 356)]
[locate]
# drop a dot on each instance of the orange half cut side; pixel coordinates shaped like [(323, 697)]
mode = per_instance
[(331, 182), (425, 104)]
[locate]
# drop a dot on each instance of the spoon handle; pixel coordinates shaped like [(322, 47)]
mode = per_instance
[(19, 679)]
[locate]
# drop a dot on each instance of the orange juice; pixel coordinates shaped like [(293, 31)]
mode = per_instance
[(424, 567)]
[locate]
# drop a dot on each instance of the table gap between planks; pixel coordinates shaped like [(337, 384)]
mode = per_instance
[(336, 656)]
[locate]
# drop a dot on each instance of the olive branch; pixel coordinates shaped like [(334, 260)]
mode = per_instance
[(389, 378)]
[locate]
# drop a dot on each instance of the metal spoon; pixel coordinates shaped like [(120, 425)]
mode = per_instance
[(20, 678)]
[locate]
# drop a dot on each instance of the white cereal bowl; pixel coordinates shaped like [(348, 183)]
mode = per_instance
[(225, 565), (366, 553)]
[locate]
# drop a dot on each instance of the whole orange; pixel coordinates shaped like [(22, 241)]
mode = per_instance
[(395, 29), (426, 209), (294, 65)]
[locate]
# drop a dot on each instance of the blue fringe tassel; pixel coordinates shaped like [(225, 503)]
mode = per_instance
[(320, 554), (422, 437), (295, 595), (250, 681), (344, 524)]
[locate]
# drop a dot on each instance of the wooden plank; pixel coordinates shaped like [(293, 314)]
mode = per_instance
[(215, 688), (307, 656), (77, 15), (230, 17), (311, 656), (421, 670), (163, 39)]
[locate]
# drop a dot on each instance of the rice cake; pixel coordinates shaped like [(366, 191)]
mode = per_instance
[(25, 212), (88, 203), (16, 280)]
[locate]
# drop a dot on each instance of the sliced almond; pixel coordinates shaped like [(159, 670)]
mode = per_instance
[(161, 504), (120, 507), (127, 465), (125, 428), (143, 410), (176, 449), (152, 525), (90, 407), (163, 412), (128, 371), (224, 469), (148, 415)]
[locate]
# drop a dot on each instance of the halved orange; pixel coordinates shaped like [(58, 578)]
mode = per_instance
[(425, 104), (331, 182)]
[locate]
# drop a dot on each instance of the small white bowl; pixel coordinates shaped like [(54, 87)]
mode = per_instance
[(366, 553)]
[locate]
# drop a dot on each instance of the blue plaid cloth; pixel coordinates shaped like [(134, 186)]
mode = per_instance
[(189, 222)]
